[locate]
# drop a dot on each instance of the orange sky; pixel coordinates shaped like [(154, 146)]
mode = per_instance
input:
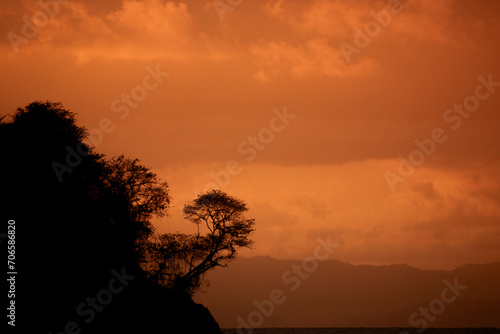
[(322, 169)]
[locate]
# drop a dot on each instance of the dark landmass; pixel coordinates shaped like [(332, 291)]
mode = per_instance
[(78, 234), (339, 294)]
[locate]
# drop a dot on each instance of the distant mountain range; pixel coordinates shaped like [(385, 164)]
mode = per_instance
[(265, 292)]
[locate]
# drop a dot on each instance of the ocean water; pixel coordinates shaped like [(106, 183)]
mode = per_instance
[(392, 330)]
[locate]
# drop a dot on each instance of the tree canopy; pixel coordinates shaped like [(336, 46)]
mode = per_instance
[(180, 261)]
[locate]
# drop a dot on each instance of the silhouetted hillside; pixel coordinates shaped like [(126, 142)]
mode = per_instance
[(79, 229)]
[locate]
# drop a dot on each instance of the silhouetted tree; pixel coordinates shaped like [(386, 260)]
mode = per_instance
[(71, 234), (180, 261), (132, 195), (73, 228)]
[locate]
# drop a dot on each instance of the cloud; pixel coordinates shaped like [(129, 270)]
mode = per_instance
[(315, 58), (436, 219), (323, 174), (148, 29), (325, 25), (317, 209), (336, 19), (426, 189)]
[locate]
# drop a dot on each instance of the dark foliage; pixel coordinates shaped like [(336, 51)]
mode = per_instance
[(72, 235)]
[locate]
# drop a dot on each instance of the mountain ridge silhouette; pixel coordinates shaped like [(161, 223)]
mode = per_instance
[(339, 294)]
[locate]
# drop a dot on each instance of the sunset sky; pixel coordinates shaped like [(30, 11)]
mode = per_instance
[(303, 109)]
